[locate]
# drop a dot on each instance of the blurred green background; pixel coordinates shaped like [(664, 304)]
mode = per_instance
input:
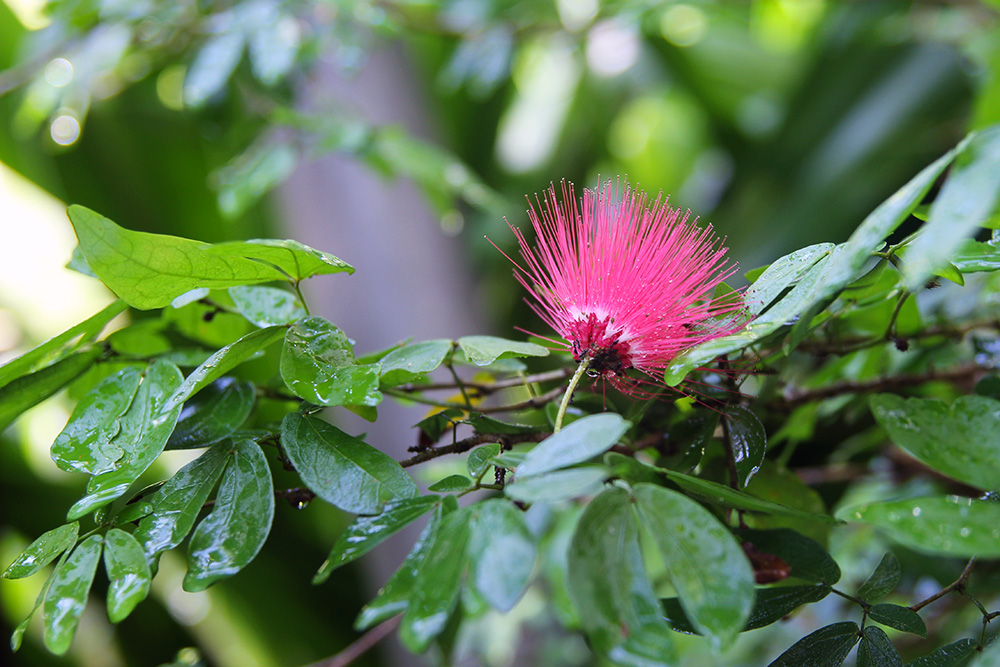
[(372, 129)]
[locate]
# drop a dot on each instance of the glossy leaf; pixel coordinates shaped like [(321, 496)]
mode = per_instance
[(42, 551), (876, 649), (944, 524), (213, 414), (502, 553), (580, 441), (770, 605), (222, 362), (266, 306), (706, 565), (145, 428), (234, 531), (782, 274), (127, 571), (343, 470), (451, 484), (479, 459), (367, 532), (27, 391), (900, 618), (558, 485), (826, 647), (85, 444), (176, 505), (749, 442), (484, 350), (486, 424), (956, 654), (411, 361), (295, 261), (151, 270), (883, 580), (960, 440), (975, 256), (438, 581), (967, 198), (67, 594), (807, 559), (318, 365), (18, 635)]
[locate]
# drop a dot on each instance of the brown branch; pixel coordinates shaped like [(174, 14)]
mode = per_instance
[(472, 442), (488, 388), (361, 645), (957, 585), (853, 344)]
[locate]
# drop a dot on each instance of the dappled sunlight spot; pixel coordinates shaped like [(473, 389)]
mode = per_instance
[(59, 72), (683, 25), (31, 13), (65, 129), (576, 14), (612, 47)]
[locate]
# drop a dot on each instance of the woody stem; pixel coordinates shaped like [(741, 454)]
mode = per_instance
[(575, 380)]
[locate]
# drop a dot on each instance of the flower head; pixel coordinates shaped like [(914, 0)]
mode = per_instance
[(626, 282)]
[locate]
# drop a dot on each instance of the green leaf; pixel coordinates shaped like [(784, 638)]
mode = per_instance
[(343, 470), (974, 256), (581, 441), (949, 271), (42, 551), (58, 346), (883, 580), (67, 594), (944, 524), (318, 365), (827, 647), (749, 442), (151, 270), (222, 362), (213, 414), (86, 443), (18, 634), (770, 605), (266, 306), (956, 654), (128, 573), (782, 274), (439, 579), (145, 428), (212, 66), (295, 261), (451, 484), (234, 531), (486, 424), (807, 559), (960, 440), (607, 581), (876, 650), (900, 618), (394, 597), (559, 485), (27, 391), (484, 350), (411, 361), (273, 47), (706, 565), (479, 459), (502, 553), (176, 505), (367, 532), (967, 198)]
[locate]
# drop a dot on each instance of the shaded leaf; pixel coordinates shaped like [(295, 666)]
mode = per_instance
[(827, 647), (770, 605), (900, 618), (213, 414), (27, 391), (956, 654), (484, 350), (580, 441), (42, 551), (67, 594), (479, 459), (502, 553), (807, 559), (749, 442), (876, 650), (451, 484), (128, 573), (558, 485), (883, 580)]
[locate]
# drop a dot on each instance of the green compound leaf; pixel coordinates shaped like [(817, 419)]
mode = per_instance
[(956, 654), (900, 618), (222, 362), (266, 306), (213, 414), (86, 443), (944, 524), (18, 634), (151, 270), (318, 365), (343, 470), (706, 565), (749, 441), (128, 573), (807, 559), (502, 553), (580, 441), (827, 647), (234, 531), (960, 440), (367, 532), (883, 581), (68, 592), (145, 428), (411, 361), (176, 505), (295, 261), (876, 649), (27, 391), (484, 350), (42, 551)]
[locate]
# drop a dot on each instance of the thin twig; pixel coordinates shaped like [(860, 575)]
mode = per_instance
[(956, 585), (536, 402), (489, 387), (361, 645), (472, 442)]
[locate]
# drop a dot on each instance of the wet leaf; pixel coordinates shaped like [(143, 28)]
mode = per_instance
[(807, 559), (128, 573), (451, 484), (770, 605), (956, 654), (502, 553), (558, 485), (876, 650), (827, 647), (749, 442), (27, 391), (580, 441), (213, 414), (295, 261), (411, 361), (782, 274), (900, 618), (18, 634), (67, 594), (266, 306), (318, 365), (484, 350), (883, 580), (479, 459), (976, 256), (42, 551)]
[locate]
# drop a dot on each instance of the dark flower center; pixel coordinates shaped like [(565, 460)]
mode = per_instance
[(597, 340)]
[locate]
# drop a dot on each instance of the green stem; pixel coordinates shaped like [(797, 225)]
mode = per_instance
[(302, 299), (569, 393)]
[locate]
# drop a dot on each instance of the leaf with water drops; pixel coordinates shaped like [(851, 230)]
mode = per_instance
[(266, 306), (558, 485), (27, 391), (479, 458), (42, 551), (748, 440), (580, 441), (502, 553), (128, 574), (213, 413), (770, 606), (826, 647), (883, 580), (318, 365), (950, 525), (876, 649), (900, 618), (67, 594), (781, 275), (956, 654), (411, 361), (807, 559), (484, 350), (293, 260)]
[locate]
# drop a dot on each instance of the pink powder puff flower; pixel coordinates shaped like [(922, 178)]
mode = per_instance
[(629, 284)]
